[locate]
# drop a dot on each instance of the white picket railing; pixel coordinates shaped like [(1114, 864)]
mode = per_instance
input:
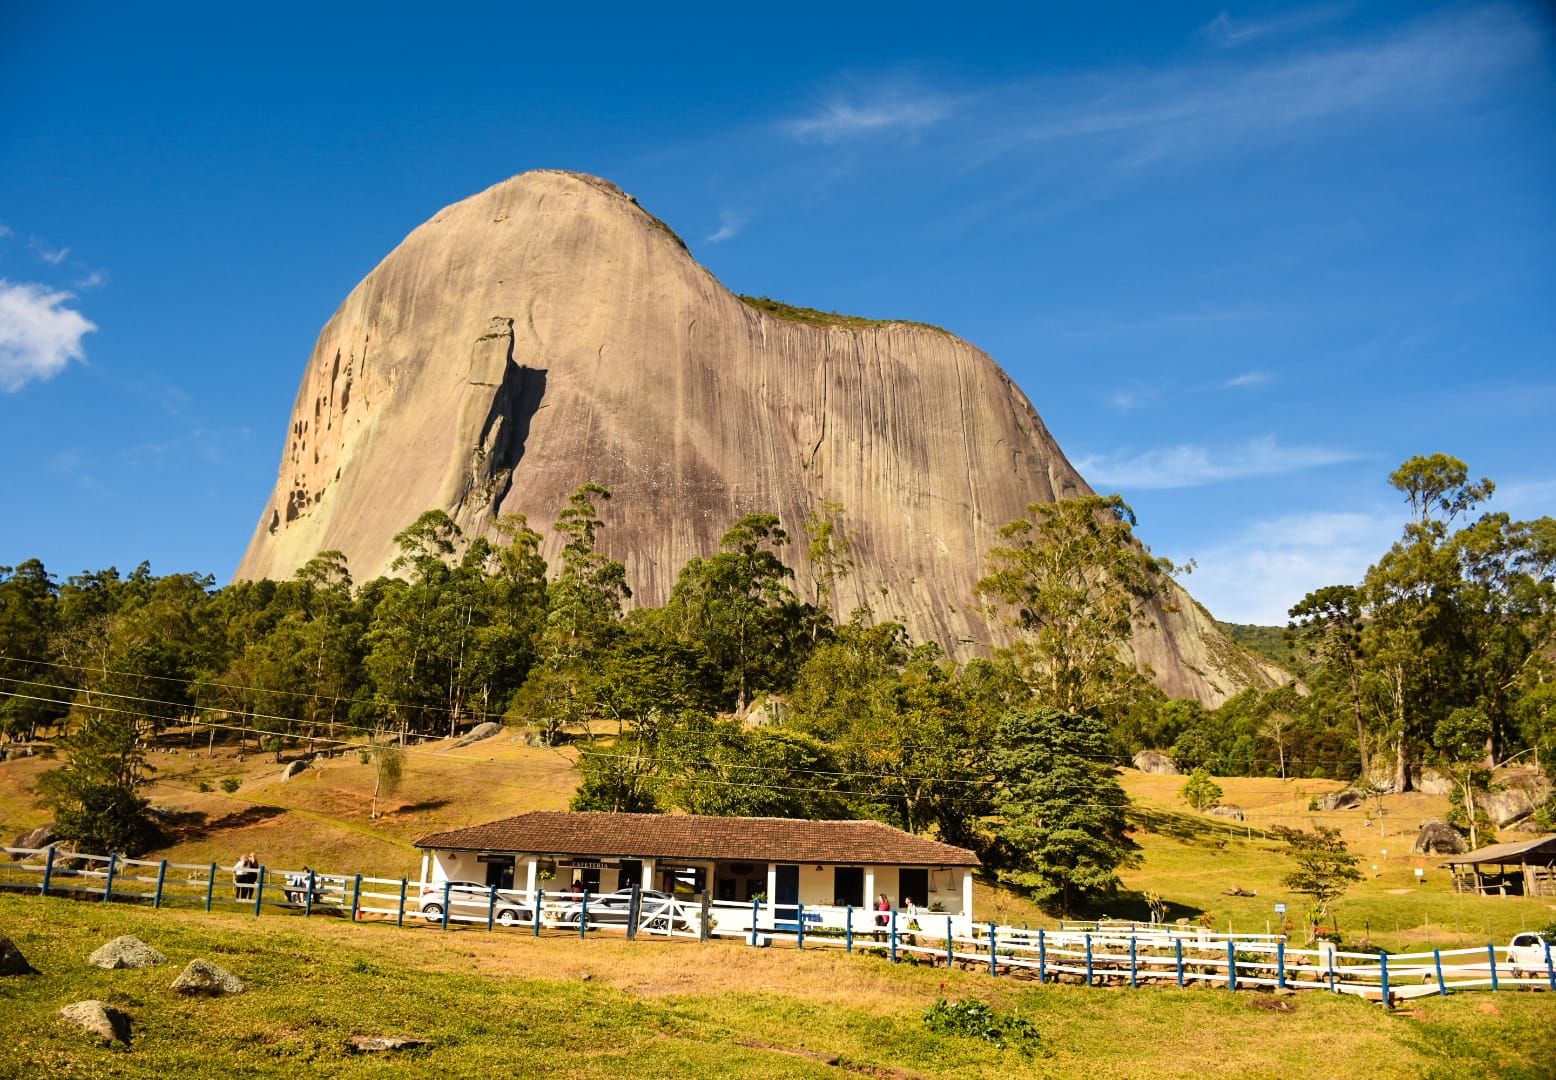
[(1106, 953)]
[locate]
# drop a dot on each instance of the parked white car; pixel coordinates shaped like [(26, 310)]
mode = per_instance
[(1526, 956)]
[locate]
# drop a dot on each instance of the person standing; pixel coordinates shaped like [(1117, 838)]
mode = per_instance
[(244, 873)]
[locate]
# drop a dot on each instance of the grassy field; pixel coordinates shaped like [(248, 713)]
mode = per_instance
[(505, 1005)]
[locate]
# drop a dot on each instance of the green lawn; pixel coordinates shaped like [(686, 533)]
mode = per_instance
[(507, 1005)]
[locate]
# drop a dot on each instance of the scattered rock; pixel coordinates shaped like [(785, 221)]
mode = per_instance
[(375, 1044), (1156, 763), (126, 952), (204, 977), (12, 962), (1227, 812), (1431, 782), (41, 837), (293, 769), (1340, 800), (1438, 838), (99, 1018), (478, 733), (1506, 806)]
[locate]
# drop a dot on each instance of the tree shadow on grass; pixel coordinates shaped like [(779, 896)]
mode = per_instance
[(186, 825), (416, 808), (1133, 905), (1192, 828)]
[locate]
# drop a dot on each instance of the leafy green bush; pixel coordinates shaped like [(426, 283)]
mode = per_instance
[(976, 1020), (203, 786), (229, 784), (1201, 792)]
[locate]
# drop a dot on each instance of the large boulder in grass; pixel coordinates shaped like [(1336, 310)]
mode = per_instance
[(1438, 838), (377, 1044), (100, 1019), (126, 952), (203, 978), (1341, 800), (1156, 763), (293, 769), (1520, 793), (1232, 812), (12, 962), (33, 839), (478, 733)]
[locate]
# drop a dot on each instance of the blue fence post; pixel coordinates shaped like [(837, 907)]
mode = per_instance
[(1231, 964), (48, 872), (993, 962), (210, 887), (1280, 965), (848, 929), (583, 915), (1330, 954), (540, 897), (1550, 971), (1042, 957), (400, 918), (259, 890), (308, 896), (1134, 979), (1383, 969), (950, 945), (156, 901), (1177, 947), (799, 925), (1088, 959), (356, 898), (1437, 959), (756, 907), (491, 906), (447, 889), (894, 936), (113, 864), (1491, 951)]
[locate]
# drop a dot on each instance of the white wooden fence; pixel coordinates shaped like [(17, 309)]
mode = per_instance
[(1131, 954)]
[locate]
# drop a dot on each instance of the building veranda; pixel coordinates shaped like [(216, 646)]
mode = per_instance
[(772, 868)]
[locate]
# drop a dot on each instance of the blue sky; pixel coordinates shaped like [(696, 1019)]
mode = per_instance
[(1243, 259)]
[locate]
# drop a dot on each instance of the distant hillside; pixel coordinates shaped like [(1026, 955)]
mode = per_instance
[(1269, 642)]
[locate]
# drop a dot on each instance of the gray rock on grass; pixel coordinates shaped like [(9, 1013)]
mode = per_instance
[(478, 733), (374, 1044), (294, 769), (126, 952), (204, 977), (12, 962), (100, 1019), (1156, 763)]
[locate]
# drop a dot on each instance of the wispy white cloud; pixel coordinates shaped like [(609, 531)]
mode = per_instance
[(729, 225), (93, 280), (889, 112), (1246, 379), (1192, 466), (1230, 32), (5, 230), (39, 333), (48, 253), (1259, 574)]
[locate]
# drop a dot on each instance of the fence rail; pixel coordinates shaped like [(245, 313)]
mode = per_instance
[(1105, 953)]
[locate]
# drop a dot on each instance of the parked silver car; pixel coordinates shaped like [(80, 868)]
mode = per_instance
[(471, 900), (660, 910)]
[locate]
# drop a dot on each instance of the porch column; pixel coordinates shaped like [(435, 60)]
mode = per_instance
[(967, 896), (772, 889), (426, 857), (869, 887), (529, 884)]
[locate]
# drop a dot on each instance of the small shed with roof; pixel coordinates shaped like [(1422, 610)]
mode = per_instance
[(1520, 868), (789, 861)]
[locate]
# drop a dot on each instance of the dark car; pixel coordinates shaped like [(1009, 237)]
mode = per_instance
[(659, 910), (472, 900)]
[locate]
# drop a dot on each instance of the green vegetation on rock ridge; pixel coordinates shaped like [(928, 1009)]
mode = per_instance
[(778, 309)]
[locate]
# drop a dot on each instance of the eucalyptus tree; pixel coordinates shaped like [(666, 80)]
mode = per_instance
[(1074, 581)]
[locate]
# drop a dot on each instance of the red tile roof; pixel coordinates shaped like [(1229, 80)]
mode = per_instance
[(689, 836)]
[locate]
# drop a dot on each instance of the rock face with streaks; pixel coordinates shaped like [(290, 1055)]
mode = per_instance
[(549, 331)]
